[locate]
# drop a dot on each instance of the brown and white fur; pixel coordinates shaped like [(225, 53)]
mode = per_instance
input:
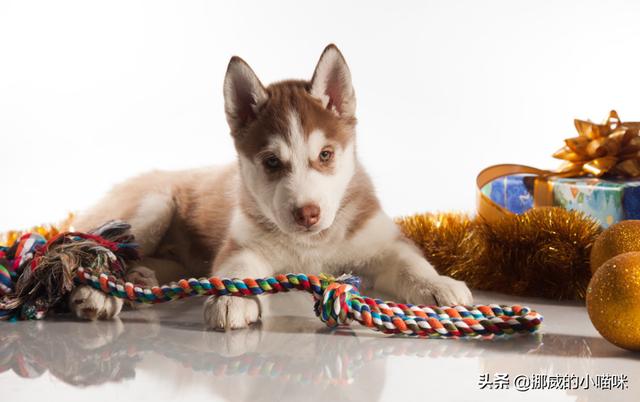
[(297, 200)]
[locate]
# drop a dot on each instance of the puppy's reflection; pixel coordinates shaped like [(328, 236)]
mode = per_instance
[(289, 351), (84, 355)]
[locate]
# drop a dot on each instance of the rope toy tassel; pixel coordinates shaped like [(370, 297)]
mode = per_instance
[(35, 275)]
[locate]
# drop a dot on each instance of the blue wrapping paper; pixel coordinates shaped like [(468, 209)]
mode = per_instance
[(608, 201)]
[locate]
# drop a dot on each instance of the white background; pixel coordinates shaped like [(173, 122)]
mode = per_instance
[(94, 92)]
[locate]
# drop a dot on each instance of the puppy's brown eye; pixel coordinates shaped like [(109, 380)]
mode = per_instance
[(325, 155), (272, 163)]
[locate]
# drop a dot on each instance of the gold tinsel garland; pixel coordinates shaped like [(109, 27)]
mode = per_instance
[(544, 252), (541, 253), (46, 231)]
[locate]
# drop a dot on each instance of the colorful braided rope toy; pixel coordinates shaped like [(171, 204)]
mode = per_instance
[(36, 275)]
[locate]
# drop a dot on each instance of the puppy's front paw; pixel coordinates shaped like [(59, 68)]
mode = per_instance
[(442, 291), (230, 312), (141, 276), (91, 304), (449, 291)]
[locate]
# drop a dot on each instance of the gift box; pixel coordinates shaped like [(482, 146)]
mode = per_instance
[(600, 176), (608, 201)]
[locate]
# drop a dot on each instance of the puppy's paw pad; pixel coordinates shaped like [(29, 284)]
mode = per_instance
[(142, 276), (229, 312), (91, 304)]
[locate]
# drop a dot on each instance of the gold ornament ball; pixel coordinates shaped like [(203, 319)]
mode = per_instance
[(617, 239), (613, 300)]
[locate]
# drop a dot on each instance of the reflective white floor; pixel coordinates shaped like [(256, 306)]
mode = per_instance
[(164, 353)]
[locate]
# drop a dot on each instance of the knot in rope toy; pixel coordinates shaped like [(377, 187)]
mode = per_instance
[(342, 303), (40, 274)]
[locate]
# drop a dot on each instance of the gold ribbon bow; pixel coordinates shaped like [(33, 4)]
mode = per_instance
[(610, 148)]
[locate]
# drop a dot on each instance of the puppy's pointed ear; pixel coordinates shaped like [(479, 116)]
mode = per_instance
[(331, 83), (244, 95)]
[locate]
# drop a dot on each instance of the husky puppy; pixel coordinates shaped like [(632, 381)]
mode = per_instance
[(297, 200)]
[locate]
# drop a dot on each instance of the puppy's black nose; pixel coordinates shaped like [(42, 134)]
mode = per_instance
[(307, 215)]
